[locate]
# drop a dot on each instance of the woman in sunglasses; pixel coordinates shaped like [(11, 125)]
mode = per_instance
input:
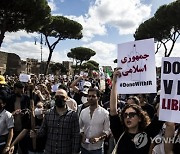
[(132, 131)]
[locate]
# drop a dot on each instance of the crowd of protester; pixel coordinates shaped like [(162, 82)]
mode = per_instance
[(72, 115)]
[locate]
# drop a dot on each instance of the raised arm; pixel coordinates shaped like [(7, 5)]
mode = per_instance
[(74, 84), (113, 96)]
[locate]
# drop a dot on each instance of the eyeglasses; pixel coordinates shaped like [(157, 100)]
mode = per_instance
[(93, 96), (130, 115)]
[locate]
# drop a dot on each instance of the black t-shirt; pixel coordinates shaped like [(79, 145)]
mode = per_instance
[(40, 142), (126, 144)]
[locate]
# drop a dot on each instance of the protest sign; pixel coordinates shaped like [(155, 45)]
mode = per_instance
[(24, 77), (170, 90), (138, 73)]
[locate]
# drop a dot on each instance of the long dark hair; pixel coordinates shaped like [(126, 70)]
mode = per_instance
[(145, 120)]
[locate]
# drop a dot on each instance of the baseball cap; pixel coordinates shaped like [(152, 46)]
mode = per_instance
[(2, 80)]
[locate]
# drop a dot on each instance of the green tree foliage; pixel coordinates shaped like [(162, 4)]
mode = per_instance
[(22, 14), (164, 27), (57, 68), (91, 65), (60, 28), (80, 54)]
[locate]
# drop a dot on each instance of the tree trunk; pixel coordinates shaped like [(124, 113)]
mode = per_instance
[(48, 61), (1, 37), (75, 68)]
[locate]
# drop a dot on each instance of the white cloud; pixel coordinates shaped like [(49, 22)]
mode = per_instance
[(52, 5), (16, 36), (26, 50), (124, 15), (30, 50), (105, 52), (175, 53)]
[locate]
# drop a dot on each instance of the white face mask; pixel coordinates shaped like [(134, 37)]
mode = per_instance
[(38, 111), (52, 103), (83, 99)]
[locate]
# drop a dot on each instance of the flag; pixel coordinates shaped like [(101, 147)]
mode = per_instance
[(108, 73)]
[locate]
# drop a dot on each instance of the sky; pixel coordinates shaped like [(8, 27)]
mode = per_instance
[(106, 23)]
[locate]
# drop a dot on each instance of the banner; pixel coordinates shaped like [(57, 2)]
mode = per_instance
[(138, 73), (170, 90)]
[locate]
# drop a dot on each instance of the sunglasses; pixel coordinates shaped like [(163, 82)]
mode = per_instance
[(130, 115), (93, 96)]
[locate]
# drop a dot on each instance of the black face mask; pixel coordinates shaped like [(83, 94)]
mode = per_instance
[(59, 102)]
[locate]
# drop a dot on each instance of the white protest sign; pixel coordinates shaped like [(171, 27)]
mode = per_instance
[(24, 77), (102, 84), (137, 60), (101, 72), (170, 90)]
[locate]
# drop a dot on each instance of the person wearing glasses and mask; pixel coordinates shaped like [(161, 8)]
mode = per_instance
[(61, 127), (94, 124), (133, 130)]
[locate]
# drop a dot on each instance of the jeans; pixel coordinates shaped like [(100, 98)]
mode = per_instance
[(84, 151)]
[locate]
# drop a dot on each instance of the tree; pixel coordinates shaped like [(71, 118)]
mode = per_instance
[(22, 14), (164, 27), (90, 66), (60, 28), (57, 68), (81, 54)]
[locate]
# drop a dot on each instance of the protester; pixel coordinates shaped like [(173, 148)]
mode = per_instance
[(61, 128), (4, 88), (145, 105), (172, 133), (6, 127), (134, 123), (40, 142), (70, 102), (94, 124), (83, 86), (19, 105)]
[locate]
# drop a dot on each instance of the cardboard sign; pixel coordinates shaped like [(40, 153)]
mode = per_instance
[(24, 77), (138, 73), (170, 90)]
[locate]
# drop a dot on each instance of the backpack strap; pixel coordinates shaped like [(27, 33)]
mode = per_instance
[(116, 146)]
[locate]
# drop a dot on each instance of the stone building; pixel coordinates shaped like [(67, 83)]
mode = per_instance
[(10, 63), (67, 65), (3, 62)]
